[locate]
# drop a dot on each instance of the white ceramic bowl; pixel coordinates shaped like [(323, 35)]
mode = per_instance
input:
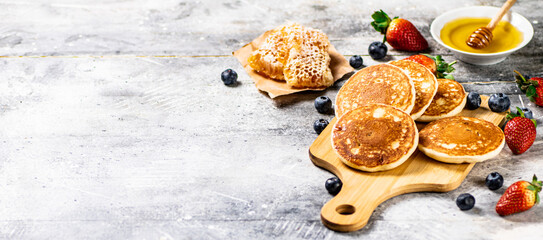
[(521, 23)]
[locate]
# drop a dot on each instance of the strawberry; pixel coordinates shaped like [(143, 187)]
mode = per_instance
[(436, 64), (532, 87), (424, 60), (399, 33), (519, 132), (519, 197)]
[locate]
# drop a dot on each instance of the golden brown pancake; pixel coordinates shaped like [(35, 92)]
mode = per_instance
[(425, 84), (374, 137), (461, 139), (382, 83), (449, 101)]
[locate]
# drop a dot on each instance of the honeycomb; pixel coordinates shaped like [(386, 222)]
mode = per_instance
[(296, 54), (308, 67)]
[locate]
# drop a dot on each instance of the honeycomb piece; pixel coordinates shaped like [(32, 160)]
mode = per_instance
[(310, 61), (271, 57), (267, 62), (308, 66), (297, 34)]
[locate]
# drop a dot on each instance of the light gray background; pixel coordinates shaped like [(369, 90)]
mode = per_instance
[(114, 124)]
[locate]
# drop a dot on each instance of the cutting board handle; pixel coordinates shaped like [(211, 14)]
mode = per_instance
[(345, 212)]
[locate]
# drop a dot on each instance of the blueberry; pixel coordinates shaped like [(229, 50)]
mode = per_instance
[(499, 102), (356, 61), (229, 77), (320, 125), (494, 181), (527, 112), (473, 101), (323, 104), (377, 50), (465, 201), (333, 185)]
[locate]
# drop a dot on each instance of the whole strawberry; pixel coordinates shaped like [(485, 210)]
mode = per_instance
[(532, 87), (399, 33), (519, 132), (436, 64), (425, 61), (519, 197)]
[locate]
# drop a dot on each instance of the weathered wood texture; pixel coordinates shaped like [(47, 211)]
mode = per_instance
[(106, 137)]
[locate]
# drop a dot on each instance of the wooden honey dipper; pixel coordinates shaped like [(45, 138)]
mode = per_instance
[(482, 37)]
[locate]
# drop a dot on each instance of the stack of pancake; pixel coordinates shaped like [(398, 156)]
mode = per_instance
[(377, 108)]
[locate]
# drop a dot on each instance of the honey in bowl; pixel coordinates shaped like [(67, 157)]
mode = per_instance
[(455, 33)]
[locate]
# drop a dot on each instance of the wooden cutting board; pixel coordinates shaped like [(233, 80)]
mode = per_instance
[(362, 192)]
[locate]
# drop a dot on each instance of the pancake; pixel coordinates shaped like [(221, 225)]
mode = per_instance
[(381, 83), (375, 137), (425, 83), (461, 140), (449, 101)]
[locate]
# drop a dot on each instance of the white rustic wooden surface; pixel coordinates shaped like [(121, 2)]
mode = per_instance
[(114, 124)]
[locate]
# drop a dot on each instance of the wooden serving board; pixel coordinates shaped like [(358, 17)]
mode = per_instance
[(362, 192)]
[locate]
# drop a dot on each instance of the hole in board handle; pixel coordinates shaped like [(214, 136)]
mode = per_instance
[(345, 209)]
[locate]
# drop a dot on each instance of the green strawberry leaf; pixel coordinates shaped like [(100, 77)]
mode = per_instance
[(519, 78), (534, 121), (449, 76), (527, 86), (536, 185), (443, 69), (531, 188), (519, 111), (531, 92), (381, 21), (510, 116), (376, 26)]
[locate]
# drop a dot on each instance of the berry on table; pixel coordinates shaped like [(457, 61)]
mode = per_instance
[(514, 112), (519, 197), (533, 87), (494, 181), (465, 201), (377, 50), (333, 185), (499, 102), (320, 125), (400, 33), (356, 61), (474, 101), (520, 132), (426, 60), (229, 77), (323, 104), (527, 112)]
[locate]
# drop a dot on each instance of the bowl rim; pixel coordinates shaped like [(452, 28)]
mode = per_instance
[(433, 32)]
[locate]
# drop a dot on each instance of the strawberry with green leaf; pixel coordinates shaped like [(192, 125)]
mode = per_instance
[(425, 61), (401, 34), (519, 131), (519, 197), (436, 64), (532, 87)]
